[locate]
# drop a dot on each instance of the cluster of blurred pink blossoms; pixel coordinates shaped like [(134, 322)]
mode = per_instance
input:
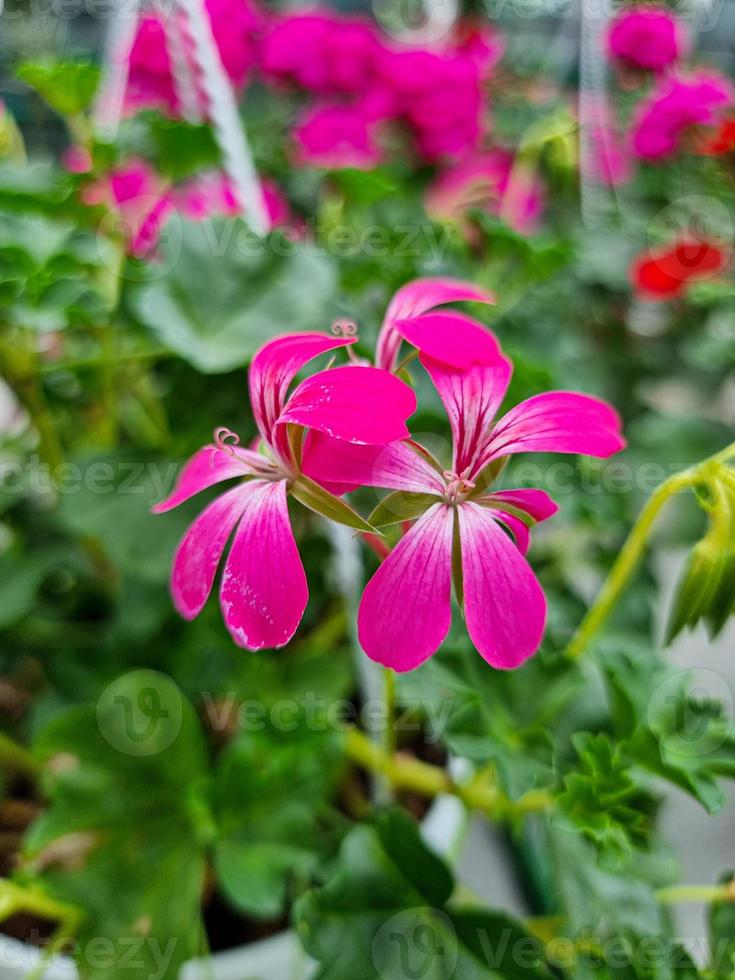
[(345, 428), (648, 40)]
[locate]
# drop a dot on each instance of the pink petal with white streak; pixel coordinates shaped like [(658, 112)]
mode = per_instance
[(197, 557), (418, 297), (520, 532), (354, 403), (471, 398), (505, 608), (558, 422), (452, 338), (536, 503), (405, 611), (208, 466), (264, 593), (395, 466), (276, 365)]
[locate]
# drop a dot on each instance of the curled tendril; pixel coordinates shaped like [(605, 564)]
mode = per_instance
[(344, 328), (226, 440)]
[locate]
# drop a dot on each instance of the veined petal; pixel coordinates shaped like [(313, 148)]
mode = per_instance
[(276, 365), (355, 403), (557, 422), (395, 466), (196, 559), (208, 466), (471, 398), (454, 339), (263, 593), (505, 608), (418, 297), (536, 503), (405, 611)]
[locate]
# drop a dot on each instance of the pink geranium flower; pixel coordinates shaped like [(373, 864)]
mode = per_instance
[(210, 194), (263, 592), (336, 136), (323, 53), (675, 106), (139, 203), (405, 612), (649, 37), (490, 181)]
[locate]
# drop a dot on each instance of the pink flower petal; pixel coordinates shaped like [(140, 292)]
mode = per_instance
[(471, 398), (355, 403), (505, 609), (405, 611), (206, 467), (198, 555), (264, 593), (419, 297), (536, 503), (275, 366), (452, 338), (520, 532), (557, 422), (395, 466)]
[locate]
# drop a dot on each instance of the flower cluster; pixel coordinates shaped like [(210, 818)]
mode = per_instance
[(650, 39), (344, 428)]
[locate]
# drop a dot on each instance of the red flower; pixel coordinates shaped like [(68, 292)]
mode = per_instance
[(665, 273), (721, 142)]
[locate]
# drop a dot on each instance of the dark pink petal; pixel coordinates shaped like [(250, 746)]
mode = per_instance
[(208, 466), (536, 503), (264, 593), (557, 422), (504, 606), (405, 611), (471, 398), (452, 338), (520, 532), (395, 466), (355, 403), (196, 559), (418, 297), (275, 366)]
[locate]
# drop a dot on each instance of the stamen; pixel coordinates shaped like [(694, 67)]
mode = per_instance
[(344, 328), (458, 483), (226, 440)]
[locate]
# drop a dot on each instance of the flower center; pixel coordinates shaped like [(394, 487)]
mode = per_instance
[(458, 484)]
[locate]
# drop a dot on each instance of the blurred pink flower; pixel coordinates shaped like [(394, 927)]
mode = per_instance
[(263, 592), (76, 160), (675, 105), (235, 25), (139, 203), (440, 97), (335, 136), (489, 181), (323, 52), (210, 194), (646, 37)]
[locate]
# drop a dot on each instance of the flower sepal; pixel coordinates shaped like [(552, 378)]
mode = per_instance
[(322, 502)]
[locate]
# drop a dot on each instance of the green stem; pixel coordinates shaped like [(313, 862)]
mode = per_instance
[(18, 759), (389, 693), (408, 773), (20, 369), (633, 549), (14, 899), (696, 893)]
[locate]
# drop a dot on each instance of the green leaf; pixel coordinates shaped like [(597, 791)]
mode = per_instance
[(67, 86), (384, 913), (401, 506), (218, 293), (598, 799), (321, 501), (124, 834), (270, 796)]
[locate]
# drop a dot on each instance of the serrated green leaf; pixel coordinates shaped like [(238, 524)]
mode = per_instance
[(321, 501)]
